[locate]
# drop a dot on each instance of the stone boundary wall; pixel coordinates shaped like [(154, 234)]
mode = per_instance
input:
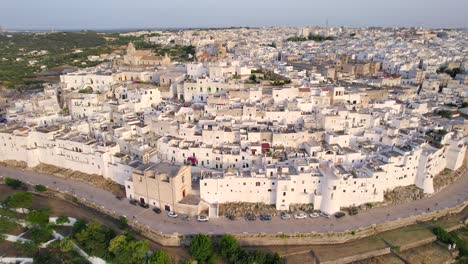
[(146, 231), (418, 243), (264, 239), (279, 239), (358, 257)]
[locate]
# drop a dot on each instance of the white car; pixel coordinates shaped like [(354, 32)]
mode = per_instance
[(172, 214), (202, 218), (300, 215), (314, 215)]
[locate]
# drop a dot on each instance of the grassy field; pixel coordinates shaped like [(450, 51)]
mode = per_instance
[(407, 235), (361, 246)]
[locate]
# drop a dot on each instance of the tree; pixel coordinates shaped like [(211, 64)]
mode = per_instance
[(253, 78), (14, 183), (94, 239), (40, 188), (38, 217), (20, 200), (123, 222), (7, 225), (78, 226), (66, 245), (127, 250), (229, 248), (201, 247), (41, 234), (27, 248), (445, 113), (160, 257)]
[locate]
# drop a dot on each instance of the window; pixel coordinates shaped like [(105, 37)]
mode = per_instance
[(284, 193), (205, 184), (257, 184)]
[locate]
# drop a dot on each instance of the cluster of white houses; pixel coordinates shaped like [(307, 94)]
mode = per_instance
[(188, 137)]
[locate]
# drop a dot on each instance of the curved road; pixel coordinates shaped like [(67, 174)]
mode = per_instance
[(452, 195)]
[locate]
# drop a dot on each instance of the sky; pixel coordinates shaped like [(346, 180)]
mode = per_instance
[(118, 14)]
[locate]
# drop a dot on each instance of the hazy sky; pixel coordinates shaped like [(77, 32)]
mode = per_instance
[(111, 14)]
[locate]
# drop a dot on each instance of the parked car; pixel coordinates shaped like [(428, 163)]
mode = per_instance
[(133, 202), (314, 215), (172, 214), (339, 214), (157, 210), (353, 210), (325, 215), (185, 217), (300, 215), (144, 205), (285, 216), (203, 218), (265, 217), (250, 217), (119, 197), (231, 217)]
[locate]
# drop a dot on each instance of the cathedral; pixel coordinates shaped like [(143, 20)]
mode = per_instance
[(136, 57)]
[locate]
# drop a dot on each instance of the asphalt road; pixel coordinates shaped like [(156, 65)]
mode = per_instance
[(452, 195)]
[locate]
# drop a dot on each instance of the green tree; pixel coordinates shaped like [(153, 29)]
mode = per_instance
[(78, 226), (27, 248), (7, 225), (20, 200), (229, 248), (123, 222), (160, 257), (66, 245), (14, 183), (38, 217), (201, 248), (126, 250), (445, 113), (41, 234), (94, 239)]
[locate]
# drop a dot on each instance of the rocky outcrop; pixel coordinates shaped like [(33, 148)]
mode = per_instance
[(14, 164), (240, 209), (94, 179), (404, 194)]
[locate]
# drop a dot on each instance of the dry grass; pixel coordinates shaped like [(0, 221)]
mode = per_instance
[(427, 254), (407, 235), (361, 246)]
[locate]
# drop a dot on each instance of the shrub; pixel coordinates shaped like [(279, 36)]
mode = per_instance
[(123, 222), (13, 183), (62, 220), (40, 188), (20, 200), (160, 257)]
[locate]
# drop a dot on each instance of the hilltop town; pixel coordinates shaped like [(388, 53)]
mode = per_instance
[(329, 117)]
